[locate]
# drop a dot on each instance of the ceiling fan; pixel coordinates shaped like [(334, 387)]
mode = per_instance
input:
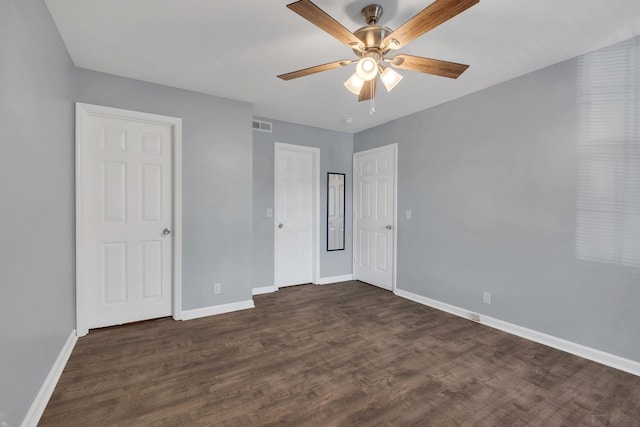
[(373, 42)]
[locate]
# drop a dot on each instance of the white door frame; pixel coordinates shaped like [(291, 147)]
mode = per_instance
[(394, 233), (83, 111), (315, 268)]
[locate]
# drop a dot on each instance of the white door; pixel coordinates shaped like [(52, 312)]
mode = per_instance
[(374, 216), (125, 199), (294, 216)]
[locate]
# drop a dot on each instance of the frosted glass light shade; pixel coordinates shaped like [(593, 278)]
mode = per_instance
[(367, 68), (354, 84), (390, 78)]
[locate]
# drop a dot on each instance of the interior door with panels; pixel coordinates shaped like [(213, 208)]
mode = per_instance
[(126, 201), (295, 213), (374, 216)]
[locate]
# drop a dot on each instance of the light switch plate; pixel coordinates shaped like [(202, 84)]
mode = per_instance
[(269, 213), (486, 297), (407, 214)]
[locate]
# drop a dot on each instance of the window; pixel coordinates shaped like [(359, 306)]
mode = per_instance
[(608, 148)]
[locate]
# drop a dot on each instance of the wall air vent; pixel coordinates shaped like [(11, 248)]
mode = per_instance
[(262, 126)]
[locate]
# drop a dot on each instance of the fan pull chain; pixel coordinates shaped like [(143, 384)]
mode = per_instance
[(373, 99)]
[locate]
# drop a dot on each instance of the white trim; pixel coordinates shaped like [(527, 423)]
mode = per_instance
[(315, 268), (334, 279), (394, 261), (316, 220), (197, 313), (395, 217), (177, 220), (452, 309), (580, 350), (264, 290), (82, 325), (82, 110), (42, 398)]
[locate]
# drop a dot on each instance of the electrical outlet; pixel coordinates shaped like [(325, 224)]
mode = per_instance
[(486, 297), (217, 288), (269, 213), (407, 214)]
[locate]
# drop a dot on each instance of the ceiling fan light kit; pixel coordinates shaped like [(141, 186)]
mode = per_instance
[(372, 42), (367, 67), (390, 78), (354, 84)]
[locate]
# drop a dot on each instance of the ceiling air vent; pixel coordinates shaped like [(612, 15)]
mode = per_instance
[(261, 126)]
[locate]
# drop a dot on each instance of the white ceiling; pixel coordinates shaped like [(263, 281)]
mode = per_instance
[(235, 49)]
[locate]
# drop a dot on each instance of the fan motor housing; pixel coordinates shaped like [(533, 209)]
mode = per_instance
[(372, 37)]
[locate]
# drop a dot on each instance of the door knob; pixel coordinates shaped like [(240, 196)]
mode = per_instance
[(388, 227), (166, 231), (280, 225)]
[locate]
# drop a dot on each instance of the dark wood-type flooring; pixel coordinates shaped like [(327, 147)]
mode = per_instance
[(347, 354)]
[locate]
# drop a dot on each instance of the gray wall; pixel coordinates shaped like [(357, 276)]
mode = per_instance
[(216, 181), (491, 180), (336, 149), (37, 311)]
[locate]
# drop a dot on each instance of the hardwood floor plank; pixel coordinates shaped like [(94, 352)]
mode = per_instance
[(334, 355)]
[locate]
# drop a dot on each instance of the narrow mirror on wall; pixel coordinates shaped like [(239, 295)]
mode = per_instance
[(335, 211)]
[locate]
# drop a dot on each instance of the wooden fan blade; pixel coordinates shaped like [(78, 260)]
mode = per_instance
[(433, 15), (429, 66), (312, 70), (368, 90), (321, 19)]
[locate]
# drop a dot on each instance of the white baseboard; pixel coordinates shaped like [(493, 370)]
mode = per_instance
[(216, 309), (42, 398), (264, 290), (334, 279), (608, 359)]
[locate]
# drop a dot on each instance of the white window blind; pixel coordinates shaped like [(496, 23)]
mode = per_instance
[(608, 202)]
